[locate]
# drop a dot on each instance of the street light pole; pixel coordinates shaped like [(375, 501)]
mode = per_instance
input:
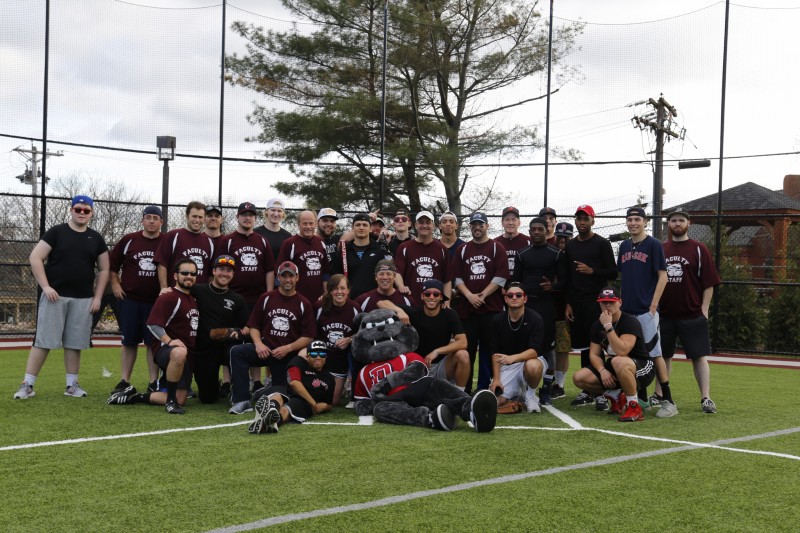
[(166, 153)]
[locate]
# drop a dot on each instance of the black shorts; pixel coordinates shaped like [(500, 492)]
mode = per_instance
[(337, 363), (693, 334), (645, 371), (585, 314), (133, 318), (161, 358)]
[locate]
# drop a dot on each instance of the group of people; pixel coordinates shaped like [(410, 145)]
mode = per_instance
[(516, 305)]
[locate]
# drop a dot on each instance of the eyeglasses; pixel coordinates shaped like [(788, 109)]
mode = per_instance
[(314, 355), (226, 261), (188, 273), (401, 219), (515, 295), (431, 294), (82, 210)]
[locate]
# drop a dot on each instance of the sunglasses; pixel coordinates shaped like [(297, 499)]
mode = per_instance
[(226, 261), (431, 294), (314, 355), (82, 210), (187, 273), (515, 295), (401, 219)]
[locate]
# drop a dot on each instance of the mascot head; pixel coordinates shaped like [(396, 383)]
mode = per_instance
[(380, 336)]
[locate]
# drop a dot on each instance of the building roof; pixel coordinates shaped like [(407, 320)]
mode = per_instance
[(745, 197)]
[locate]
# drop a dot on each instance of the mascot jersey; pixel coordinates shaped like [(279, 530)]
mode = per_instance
[(374, 372)]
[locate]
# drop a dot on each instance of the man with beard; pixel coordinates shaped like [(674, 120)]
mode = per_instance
[(421, 259), (189, 242), (384, 278), (173, 324), (326, 230), (271, 229), (281, 324), (307, 251), (691, 278), (358, 258)]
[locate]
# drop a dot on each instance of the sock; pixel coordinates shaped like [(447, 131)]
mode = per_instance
[(642, 394), (560, 378), (72, 379), (613, 393), (30, 379), (633, 400), (145, 397), (530, 393), (460, 388), (665, 392), (172, 391)]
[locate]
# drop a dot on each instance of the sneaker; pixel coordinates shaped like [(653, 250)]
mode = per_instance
[(225, 390), (584, 398), (255, 385), (645, 403), (263, 405), (483, 411), (191, 394), (667, 410), (75, 391), (152, 386), (601, 404), (174, 409), (633, 413), (545, 396), (26, 391), (350, 405), (122, 396), (442, 418), (708, 405), (616, 407), (121, 386), (557, 392), (655, 400), (532, 402), (241, 407)]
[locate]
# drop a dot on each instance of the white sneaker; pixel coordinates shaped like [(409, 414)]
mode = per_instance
[(24, 391), (532, 402), (75, 391), (667, 410)]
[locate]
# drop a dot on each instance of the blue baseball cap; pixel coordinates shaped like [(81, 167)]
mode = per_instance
[(82, 199), (153, 210)]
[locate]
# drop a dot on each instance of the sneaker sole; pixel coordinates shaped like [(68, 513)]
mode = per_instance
[(271, 420), (483, 411), (84, 395), (20, 397), (446, 418), (262, 407)]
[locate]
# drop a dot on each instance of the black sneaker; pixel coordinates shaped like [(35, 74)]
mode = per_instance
[(225, 390), (584, 398), (483, 411), (442, 418), (263, 405), (152, 386), (557, 392), (255, 385), (601, 404), (545, 395), (190, 394), (121, 386), (122, 397), (174, 409)]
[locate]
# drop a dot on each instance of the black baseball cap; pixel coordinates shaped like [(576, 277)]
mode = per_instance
[(636, 212)]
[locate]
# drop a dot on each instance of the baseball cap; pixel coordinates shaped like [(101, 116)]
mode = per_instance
[(327, 212), (672, 213), (564, 229), (422, 214), (152, 210), (477, 216), (82, 199), (547, 211), (385, 264), (448, 214), (361, 217), (224, 260), (275, 202), (379, 220), (609, 294), (510, 210), (287, 266), (318, 347), (586, 209), (246, 207), (435, 284), (210, 208), (401, 213), (636, 212)]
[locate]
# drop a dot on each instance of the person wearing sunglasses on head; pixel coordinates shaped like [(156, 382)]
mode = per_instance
[(309, 393), (173, 323), (70, 294), (401, 224)]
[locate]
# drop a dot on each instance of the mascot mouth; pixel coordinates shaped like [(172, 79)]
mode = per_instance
[(381, 336)]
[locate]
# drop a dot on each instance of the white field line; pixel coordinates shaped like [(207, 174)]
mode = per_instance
[(481, 483)]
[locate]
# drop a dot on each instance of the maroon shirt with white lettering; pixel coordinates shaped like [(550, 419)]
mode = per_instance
[(282, 319), (369, 300), (476, 265), (311, 259), (254, 259), (336, 324), (135, 254), (690, 271), (177, 313), (418, 262), (180, 243), (513, 246)]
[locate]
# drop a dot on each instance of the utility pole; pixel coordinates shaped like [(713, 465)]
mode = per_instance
[(660, 121), (32, 175)]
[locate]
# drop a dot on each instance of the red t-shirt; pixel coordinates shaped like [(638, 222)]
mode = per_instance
[(282, 319), (374, 372), (180, 243), (134, 254), (177, 313), (369, 300), (254, 259), (690, 271), (477, 265), (311, 259), (418, 262), (513, 246)]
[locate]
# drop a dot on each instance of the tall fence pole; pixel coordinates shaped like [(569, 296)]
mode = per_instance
[(383, 98), (43, 210), (222, 103), (547, 119)]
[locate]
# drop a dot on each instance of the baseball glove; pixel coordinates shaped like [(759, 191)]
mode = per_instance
[(509, 407), (225, 334)]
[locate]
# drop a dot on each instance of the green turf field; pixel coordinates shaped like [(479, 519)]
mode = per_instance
[(586, 472)]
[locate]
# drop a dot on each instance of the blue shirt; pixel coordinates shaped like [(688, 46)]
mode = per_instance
[(639, 265)]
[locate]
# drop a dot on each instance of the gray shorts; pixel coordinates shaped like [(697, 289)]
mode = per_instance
[(66, 323), (651, 333), (438, 370)]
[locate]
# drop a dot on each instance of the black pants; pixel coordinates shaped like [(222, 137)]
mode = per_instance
[(207, 362), (244, 356), (480, 330), (412, 405)]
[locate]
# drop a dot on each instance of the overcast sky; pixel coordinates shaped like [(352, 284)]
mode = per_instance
[(152, 73)]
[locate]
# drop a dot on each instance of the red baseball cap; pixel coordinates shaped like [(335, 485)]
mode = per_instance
[(586, 209)]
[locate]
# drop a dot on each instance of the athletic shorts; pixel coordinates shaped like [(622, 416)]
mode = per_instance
[(645, 371), (652, 340), (133, 318), (337, 363), (563, 340), (161, 358), (64, 323), (438, 370), (513, 378), (585, 314), (693, 334)]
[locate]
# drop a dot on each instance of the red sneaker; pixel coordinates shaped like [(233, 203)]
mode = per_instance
[(633, 413), (618, 405)]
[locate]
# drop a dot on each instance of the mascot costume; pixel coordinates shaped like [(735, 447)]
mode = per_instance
[(395, 387)]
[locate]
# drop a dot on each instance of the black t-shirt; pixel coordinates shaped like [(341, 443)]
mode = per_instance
[(627, 324), (434, 331), (361, 262), (516, 337), (275, 240), (70, 265), (597, 254), (319, 385), (226, 310)]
